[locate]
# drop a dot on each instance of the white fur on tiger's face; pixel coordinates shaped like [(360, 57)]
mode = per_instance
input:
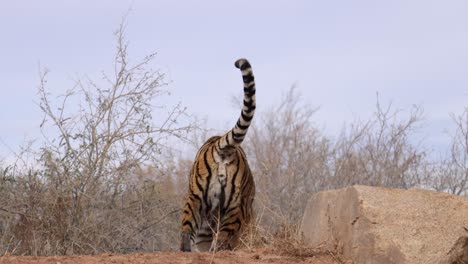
[(221, 186)]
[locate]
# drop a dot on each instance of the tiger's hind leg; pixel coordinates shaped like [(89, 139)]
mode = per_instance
[(227, 236), (233, 224), (204, 237), (224, 241), (190, 223), (186, 243)]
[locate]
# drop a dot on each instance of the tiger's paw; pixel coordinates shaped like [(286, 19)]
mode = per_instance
[(185, 243)]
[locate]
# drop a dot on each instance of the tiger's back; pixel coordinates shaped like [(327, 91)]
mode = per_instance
[(221, 185)]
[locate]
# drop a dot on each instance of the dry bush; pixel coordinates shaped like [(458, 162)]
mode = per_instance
[(451, 173), (288, 156), (143, 217), (88, 189), (379, 152)]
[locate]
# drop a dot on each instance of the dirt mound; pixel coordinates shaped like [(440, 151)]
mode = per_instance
[(225, 257)]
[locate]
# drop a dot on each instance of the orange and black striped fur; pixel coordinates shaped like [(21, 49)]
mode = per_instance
[(221, 186)]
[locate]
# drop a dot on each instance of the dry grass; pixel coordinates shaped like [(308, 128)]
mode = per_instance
[(287, 241)]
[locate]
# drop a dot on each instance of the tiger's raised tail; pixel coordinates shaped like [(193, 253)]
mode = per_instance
[(236, 135)]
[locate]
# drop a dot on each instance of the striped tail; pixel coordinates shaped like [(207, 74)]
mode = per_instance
[(236, 135)]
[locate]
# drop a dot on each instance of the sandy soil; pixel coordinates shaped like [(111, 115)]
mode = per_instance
[(236, 257)]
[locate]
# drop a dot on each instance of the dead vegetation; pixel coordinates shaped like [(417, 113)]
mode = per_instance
[(86, 189), (105, 178)]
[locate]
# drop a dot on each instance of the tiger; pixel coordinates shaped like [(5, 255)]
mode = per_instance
[(221, 186)]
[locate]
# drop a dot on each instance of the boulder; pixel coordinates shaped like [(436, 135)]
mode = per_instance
[(381, 225)]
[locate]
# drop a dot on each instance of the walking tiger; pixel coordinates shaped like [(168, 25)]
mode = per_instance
[(221, 186)]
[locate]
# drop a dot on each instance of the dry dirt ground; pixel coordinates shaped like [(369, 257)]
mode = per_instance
[(229, 257)]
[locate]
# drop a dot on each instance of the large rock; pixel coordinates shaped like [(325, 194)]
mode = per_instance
[(380, 225)]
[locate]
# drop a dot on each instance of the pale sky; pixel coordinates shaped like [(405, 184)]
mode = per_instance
[(338, 53)]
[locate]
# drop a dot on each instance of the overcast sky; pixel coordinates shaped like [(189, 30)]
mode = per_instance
[(338, 53)]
